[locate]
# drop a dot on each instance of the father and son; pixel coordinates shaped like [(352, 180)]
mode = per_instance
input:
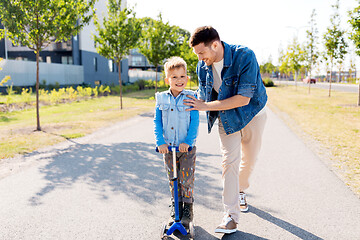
[(230, 91)]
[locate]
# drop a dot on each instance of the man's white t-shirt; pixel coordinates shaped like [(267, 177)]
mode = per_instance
[(217, 68)]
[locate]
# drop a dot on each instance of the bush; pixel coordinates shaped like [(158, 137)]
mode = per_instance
[(268, 82)]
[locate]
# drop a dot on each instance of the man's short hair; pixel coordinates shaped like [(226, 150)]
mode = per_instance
[(205, 34), (174, 62)]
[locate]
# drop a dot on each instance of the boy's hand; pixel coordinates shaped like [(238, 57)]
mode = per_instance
[(163, 148), (183, 147)]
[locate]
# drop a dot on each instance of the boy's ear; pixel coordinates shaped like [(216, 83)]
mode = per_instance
[(167, 81)]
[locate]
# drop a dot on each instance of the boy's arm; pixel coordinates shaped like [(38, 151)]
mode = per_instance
[(193, 128), (158, 127)]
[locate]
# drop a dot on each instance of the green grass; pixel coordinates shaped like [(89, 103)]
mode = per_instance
[(67, 121), (332, 121)]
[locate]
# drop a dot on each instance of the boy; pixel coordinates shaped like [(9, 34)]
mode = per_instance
[(173, 126)]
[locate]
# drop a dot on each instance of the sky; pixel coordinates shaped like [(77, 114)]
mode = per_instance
[(262, 25)]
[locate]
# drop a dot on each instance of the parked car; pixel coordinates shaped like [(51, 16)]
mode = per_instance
[(306, 80)]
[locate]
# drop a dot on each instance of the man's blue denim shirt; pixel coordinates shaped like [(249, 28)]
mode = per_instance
[(240, 76), (172, 124)]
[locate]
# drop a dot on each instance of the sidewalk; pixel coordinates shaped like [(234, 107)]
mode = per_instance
[(112, 185)]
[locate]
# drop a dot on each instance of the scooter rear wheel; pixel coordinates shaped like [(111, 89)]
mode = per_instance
[(192, 230)]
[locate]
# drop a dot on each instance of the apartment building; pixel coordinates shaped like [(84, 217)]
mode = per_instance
[(72, 62)]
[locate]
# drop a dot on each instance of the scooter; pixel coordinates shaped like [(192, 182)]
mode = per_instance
[(177, 224)]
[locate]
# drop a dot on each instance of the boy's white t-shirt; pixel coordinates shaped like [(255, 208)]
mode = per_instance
[(217, 68)]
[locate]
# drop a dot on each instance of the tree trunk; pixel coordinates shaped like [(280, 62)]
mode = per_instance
[(295, 79), (38, 128), (359, 95), (309, 81), (156, 67), (120, 83), (330, 80)]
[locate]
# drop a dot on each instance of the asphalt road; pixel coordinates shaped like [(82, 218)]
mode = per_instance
[(334, 86), (112, 185)]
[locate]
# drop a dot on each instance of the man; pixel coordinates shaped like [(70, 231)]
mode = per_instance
[(230, 90)]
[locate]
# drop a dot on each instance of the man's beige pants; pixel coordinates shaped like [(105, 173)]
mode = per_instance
[(235, 178)]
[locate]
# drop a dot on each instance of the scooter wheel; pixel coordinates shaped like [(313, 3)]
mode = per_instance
[(192, 230), (163, 231)]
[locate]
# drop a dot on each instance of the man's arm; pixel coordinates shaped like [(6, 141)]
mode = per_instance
[(217, 105)]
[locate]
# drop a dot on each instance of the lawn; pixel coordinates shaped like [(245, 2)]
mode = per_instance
[(333, 122), (66, 121)]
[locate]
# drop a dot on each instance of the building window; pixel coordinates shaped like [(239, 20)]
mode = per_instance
[(111, 65), (136, 61), (95, 64), (48, 59), (67, 60)]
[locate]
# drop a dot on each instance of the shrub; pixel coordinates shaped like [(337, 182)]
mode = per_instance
[(268, 82)]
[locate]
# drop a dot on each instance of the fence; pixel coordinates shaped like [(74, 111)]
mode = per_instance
[(135, 75), (23, 73)]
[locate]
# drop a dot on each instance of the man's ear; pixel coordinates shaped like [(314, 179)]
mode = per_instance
[(215, 45), (167, 81)]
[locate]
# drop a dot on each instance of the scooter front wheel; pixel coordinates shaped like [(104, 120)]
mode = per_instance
[(163, 231)]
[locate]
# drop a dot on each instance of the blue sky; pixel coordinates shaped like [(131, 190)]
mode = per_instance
[(261, 25)]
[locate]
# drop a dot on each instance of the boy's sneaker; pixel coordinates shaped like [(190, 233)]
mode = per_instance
[(172, 212), (188, 214), (242, 201), (228, 225)]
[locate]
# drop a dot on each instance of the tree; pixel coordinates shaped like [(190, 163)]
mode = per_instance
[(294, 57), (335, 44), (159, 41), (33, 23), (190, 58), (355, 33), (311, 53), (119, 32)]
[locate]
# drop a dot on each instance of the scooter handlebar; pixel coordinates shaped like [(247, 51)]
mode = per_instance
[(171, 148)]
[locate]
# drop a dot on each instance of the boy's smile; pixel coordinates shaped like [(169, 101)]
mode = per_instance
[(177, 78)]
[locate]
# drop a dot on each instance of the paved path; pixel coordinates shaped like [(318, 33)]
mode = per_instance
[(112, 185), (354, 88)]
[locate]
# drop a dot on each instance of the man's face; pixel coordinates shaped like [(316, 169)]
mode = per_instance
[(205, 53)]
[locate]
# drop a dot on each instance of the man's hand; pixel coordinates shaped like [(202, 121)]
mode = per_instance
[(216, 105), (163, 148), (183, 147), (196, 104)]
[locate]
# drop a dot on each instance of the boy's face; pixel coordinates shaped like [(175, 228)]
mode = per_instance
[(177, 80)]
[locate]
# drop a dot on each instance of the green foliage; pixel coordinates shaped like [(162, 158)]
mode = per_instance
[(335, 44), (311, 52), (267, 67), (268, 82), (118, 33), (355, 24), (26, 95), (33, 23)]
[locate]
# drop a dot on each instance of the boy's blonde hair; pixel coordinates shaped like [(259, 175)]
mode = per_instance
[(174, 62)]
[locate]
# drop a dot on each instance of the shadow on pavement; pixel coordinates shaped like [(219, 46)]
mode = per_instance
[(297, 231), (132, 168)]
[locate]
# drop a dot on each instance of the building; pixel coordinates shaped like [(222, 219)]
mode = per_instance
[(345, 76), (79, 51)]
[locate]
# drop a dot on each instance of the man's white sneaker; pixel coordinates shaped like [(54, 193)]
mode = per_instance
[(242, 201), (228, 225)]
